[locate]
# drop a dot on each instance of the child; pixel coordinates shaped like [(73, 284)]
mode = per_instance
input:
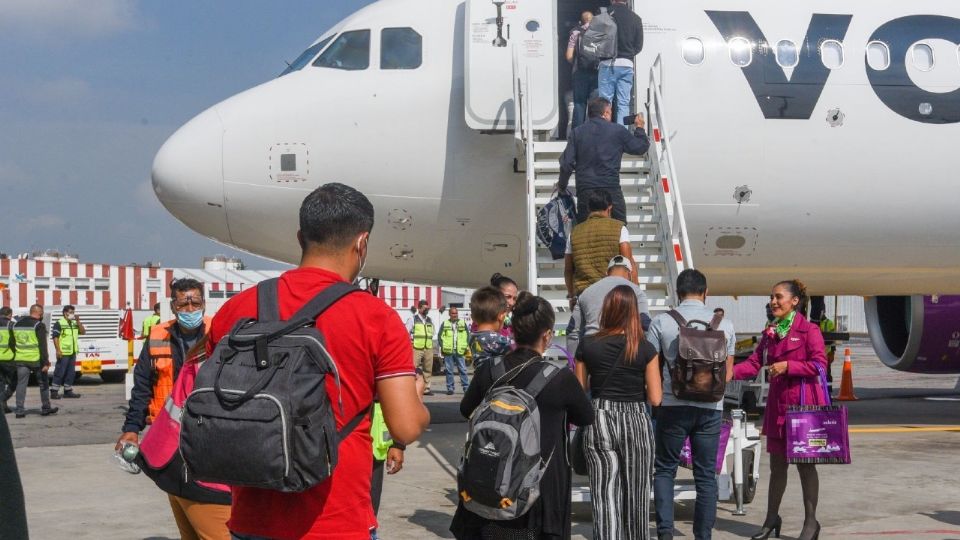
[(488, 308)]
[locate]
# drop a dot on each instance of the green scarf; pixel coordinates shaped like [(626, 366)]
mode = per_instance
[(782, 326)]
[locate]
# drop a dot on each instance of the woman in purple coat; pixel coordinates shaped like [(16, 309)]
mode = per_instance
[(790, 350)]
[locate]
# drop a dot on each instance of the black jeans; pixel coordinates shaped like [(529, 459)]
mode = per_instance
[(619, 205), (8, 380), (674, 425)]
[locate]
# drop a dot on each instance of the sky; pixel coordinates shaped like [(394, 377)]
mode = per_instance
[(90, 90)]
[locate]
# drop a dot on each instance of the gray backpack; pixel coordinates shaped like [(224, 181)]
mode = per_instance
[(499, 474), (259, 415), (599, 42), (700, 370)]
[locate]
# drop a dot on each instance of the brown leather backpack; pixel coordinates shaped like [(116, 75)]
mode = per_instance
[(700, 370)]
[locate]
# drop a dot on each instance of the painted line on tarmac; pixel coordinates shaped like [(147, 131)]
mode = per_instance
[(903, 533), (440, 459), (906, 429), (942, 399)]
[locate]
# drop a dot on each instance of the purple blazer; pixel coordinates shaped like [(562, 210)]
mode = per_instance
[(803, 349)]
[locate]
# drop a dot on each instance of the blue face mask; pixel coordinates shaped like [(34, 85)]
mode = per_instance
[(190, 319)]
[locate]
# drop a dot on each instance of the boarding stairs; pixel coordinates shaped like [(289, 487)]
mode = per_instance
[(655, 219)]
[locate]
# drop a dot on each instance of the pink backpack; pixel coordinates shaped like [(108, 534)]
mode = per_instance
[(162, 441)]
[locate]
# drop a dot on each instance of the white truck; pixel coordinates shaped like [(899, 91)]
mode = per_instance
[(101, 352)]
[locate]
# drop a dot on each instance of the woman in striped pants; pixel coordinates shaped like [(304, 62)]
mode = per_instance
[(623, 373)]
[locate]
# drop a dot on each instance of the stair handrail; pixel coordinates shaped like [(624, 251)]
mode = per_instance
[(531, 190), (676, 223)]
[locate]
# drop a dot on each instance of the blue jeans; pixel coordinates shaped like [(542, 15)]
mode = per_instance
[(455, 360), (616, 85), (65, 372), (584, 85), (674, 425)]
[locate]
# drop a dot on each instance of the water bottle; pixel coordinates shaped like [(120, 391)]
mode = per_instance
[(126, 456)]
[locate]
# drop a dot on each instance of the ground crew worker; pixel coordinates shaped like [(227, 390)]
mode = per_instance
[(151, 321), (454, 340), (421, 331), (65, 333), (8, 371), (163, 356), (31, 357)]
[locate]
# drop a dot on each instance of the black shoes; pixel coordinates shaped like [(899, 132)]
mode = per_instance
[(70, 394), (766, 530), (815, 536), (21, 415), (54, 394), (449, 392), (48, 412), (664, 536), (7, 409)]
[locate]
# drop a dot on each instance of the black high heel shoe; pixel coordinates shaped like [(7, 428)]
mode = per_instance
[(774, 529), (816, 534)]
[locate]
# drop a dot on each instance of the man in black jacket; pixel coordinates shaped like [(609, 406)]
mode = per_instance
[(13, 514), (595, 150), (616, 75)]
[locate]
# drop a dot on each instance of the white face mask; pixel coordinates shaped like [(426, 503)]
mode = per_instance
[(361, 260), (70, 316)]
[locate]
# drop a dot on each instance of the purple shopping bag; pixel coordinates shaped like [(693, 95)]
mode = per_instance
[(817, 433), (686, 454)]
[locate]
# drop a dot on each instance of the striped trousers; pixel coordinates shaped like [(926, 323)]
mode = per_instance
[(619, 451)]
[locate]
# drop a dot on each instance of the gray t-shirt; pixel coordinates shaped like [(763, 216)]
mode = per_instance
[(664, 334), (590, 304)]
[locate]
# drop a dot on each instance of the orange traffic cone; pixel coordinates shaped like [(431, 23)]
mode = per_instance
[(846, 383)]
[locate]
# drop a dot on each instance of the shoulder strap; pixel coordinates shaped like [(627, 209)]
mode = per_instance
[(609, 376), (353, 423), (497, 369), (677, 317), (326, 298), (542, 378), (715, 321), (268, 303)]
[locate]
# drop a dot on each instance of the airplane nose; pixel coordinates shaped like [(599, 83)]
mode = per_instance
[(188, 175)]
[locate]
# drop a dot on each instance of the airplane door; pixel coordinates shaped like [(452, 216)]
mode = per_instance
[(497, 31)]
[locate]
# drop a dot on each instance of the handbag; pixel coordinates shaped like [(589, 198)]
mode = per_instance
[(817, 433), (578, 456)]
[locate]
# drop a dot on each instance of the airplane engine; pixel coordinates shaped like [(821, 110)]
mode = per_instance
[(919, 334)]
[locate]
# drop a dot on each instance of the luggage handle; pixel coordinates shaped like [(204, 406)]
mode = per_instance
[(236, 401)]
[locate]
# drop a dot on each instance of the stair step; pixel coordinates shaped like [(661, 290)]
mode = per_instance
[(645, 201), (644, 258), (559, 281), (626, 166)]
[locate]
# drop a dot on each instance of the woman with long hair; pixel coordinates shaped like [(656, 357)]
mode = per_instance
[(561, 401), (791, 349), (622, 371)]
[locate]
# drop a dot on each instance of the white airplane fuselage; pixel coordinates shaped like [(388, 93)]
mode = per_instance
[(867, 205)]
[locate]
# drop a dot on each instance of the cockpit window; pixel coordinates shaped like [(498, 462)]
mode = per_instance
[(400, 48), (306, 56), (350, 51)]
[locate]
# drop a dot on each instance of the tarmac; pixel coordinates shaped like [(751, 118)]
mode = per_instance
[(905, 436)]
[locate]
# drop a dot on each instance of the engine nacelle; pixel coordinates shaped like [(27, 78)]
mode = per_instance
[(920, 334)]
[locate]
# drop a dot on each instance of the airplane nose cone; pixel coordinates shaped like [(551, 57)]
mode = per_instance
[(188, 175)]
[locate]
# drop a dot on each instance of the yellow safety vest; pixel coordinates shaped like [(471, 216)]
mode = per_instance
[(447, 335), (382, 441), (68, 337), (422, 334), (149, 323), (28, 346), (6, 340)]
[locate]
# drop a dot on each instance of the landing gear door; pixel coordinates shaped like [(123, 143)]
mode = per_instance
[(504, 37)]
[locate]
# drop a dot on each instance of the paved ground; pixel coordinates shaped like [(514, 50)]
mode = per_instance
[(902, 485)]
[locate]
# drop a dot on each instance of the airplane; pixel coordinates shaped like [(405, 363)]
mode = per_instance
[(822, 133)]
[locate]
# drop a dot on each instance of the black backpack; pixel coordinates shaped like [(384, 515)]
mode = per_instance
[(700, 370), (259, 415), (598, 42), (499, 474)]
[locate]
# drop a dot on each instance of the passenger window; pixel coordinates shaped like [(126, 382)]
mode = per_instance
[(831, 54), (350, 51), (306, 56), (692, 51), (741, 52), (400, 48), (787, 55), (878, 55), (923, 56)]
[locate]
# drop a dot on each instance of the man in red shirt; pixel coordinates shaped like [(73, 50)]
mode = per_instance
[(371, 347)]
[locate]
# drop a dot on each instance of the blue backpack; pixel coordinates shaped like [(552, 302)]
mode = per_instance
[(555, 221)]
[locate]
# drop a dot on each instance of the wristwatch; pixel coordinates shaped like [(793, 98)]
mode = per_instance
[(399, 446)]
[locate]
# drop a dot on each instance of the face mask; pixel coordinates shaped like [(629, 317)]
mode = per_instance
[(362, 261), (190, 319), (70, 316)]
